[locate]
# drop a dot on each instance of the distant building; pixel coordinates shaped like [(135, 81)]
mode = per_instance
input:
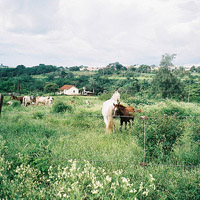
[(90, 68), (69, 90), (87, 93)]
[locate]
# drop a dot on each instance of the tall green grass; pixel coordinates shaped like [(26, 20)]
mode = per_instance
[(47, 155)]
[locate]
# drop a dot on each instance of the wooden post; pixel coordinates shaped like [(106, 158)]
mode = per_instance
[(1, 103)]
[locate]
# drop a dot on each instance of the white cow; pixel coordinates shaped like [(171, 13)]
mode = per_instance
[(87, 102), (44, 100), (9, 103), (28, 100)]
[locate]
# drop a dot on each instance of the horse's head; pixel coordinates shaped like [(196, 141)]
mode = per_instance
[(116, 96), (116, 110)]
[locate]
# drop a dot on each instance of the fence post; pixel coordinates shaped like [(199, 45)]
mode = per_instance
[(144, 132), (1, 103), (143, 164)]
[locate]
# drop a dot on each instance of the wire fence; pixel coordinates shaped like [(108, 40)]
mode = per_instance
[(145, 119), (144, 166)]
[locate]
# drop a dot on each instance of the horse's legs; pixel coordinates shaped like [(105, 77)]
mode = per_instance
[(125, 125), (105, 120), (132, 122), (121, 124)]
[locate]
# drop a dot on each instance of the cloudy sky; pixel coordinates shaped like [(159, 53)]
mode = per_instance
[(98, 32)]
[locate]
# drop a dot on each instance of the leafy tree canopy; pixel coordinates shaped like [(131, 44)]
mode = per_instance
[(51, 87), (167, 59), (167, 84)]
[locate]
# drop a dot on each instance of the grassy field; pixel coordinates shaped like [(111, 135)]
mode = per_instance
[(48, 155)]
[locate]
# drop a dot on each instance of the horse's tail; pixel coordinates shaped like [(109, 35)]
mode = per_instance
[(110, 124), (140, 110)]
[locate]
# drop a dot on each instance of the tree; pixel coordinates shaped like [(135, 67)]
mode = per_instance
[(51, 77), (51, 87), (20, 67), (193, 69), (144, 69), (167, 84), (166, 60)]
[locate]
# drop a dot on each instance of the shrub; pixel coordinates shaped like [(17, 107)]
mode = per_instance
[(105, 96), (162, 132), (187, 149), (38, 115), (60, 107), (16, 104)]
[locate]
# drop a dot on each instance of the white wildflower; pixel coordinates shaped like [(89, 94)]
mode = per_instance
[(146, 192), (98, 184), (152, 178), (94, 191), (73, 166), (118, 172), (133, 191), (124, 180), (153, 186), (141, 186), (108, 178)]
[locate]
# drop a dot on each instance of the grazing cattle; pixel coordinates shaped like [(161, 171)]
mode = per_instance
[(87, 102), (72, 102), (44, 100), (17, 98), (107, 111), (126, 114), (9, 103), (28, 100)]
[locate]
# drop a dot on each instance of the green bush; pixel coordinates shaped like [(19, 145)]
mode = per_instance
[(105, 96), (38, 115), (60, 107), (187, 148), (16, 104), (161, 135), (139, 100)]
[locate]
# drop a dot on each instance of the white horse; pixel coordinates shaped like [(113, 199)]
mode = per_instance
[(107, 111)]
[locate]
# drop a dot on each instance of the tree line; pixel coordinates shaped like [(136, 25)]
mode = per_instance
[(163, 83)]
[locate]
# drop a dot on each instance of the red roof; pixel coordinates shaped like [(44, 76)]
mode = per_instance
[(66, 87)]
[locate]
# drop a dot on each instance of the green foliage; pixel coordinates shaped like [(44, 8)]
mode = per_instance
[(16, 104), (187, 148), (166, 60), (167, 85), (48, 157), (165, 126), (60, 107), (104, 96), (144, 69), (38, 115), (138, 100), (51, 87), (75, 68)]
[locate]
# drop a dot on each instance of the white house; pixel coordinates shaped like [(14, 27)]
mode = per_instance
[(69, 90)]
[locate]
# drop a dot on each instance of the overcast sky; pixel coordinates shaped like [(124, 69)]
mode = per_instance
[(98, 32)]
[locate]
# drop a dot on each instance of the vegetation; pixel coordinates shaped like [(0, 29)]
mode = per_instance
[(62, 151), (45, 155), (61, 107), (143, 80)]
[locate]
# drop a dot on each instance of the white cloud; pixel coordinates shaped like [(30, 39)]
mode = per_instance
[(98, 32)]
